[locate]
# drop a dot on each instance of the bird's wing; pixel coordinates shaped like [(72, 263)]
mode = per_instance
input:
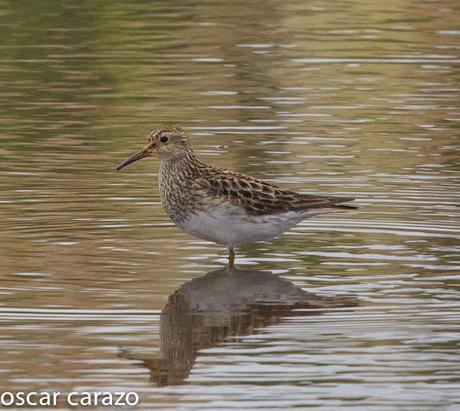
[(258, 197)]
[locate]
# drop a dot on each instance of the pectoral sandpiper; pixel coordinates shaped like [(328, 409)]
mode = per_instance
[(223, 206)]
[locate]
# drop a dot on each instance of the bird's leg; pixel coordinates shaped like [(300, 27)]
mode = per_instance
[(231, 259)]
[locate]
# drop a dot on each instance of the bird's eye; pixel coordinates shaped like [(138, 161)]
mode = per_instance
[(164, 139)]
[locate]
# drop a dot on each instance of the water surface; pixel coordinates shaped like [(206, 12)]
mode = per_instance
[(350, 98)]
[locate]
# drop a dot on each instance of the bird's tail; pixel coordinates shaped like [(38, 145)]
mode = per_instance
[(321, 204)]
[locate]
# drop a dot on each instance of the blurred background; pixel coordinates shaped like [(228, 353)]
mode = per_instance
[(356, 98)]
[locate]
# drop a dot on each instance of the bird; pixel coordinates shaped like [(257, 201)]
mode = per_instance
[(223, 206)]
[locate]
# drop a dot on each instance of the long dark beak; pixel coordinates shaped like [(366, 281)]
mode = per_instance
[(139, 155)]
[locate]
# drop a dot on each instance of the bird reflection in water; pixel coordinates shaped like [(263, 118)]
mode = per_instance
[(208, 310)]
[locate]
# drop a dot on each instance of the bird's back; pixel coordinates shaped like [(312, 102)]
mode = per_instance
[(258, 197)]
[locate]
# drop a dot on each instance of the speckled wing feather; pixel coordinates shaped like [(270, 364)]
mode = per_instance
[(258, 197)]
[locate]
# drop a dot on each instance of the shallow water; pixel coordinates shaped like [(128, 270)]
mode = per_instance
[(347, 98)]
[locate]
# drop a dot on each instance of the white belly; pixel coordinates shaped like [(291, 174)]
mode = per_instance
[(232, 227)]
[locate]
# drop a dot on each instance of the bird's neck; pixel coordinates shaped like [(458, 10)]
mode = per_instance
[(175, 178), (180, 166)]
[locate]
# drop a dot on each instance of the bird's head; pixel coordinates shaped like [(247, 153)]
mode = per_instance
[(166, 143)]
